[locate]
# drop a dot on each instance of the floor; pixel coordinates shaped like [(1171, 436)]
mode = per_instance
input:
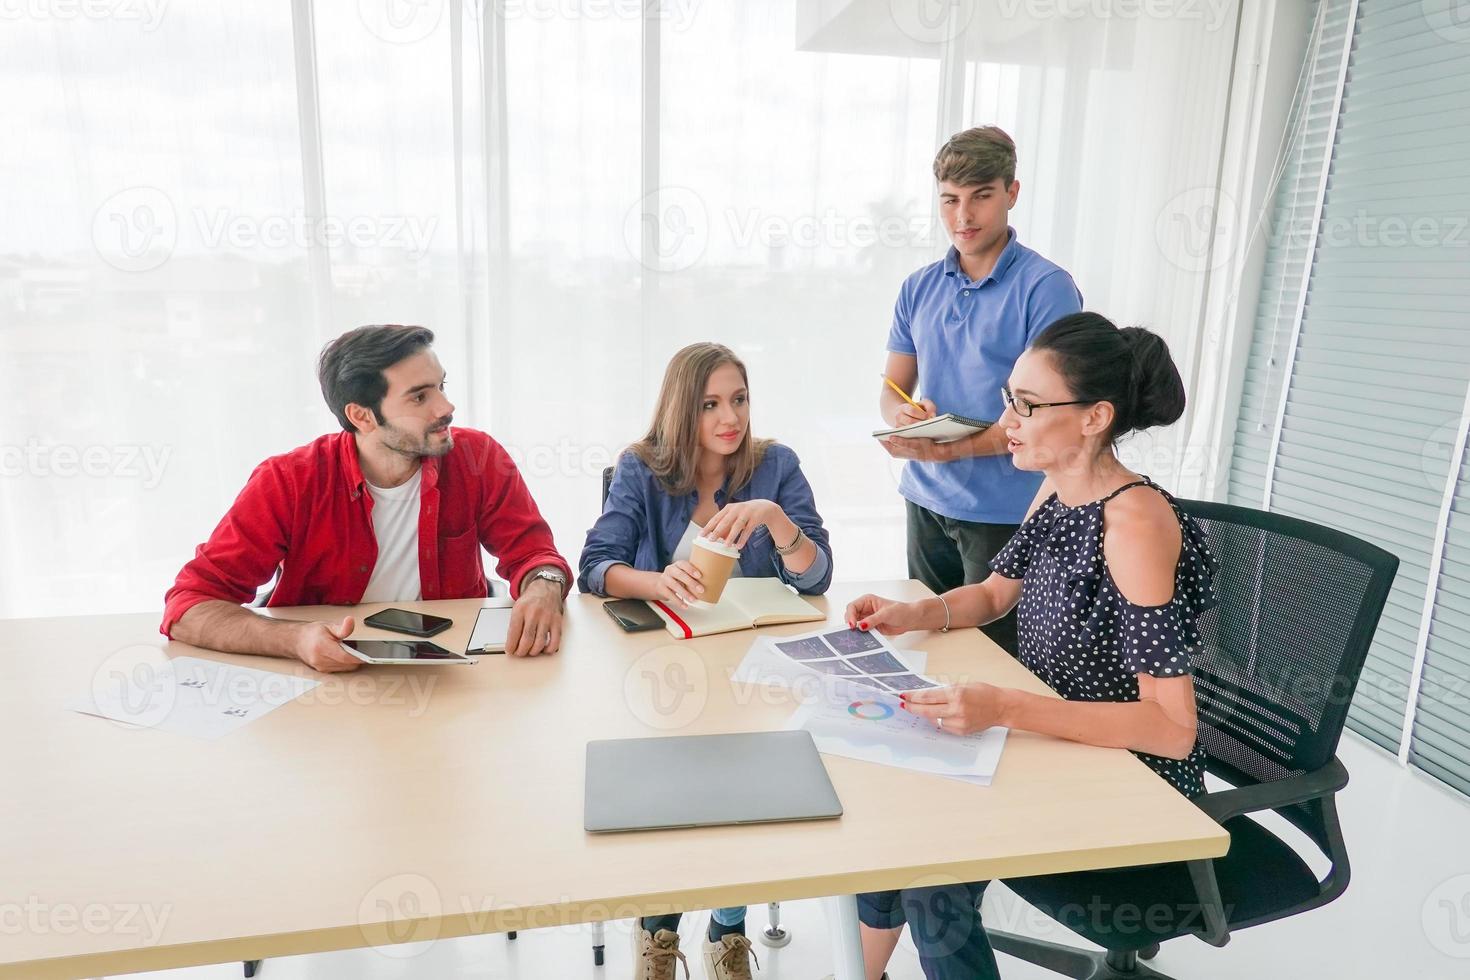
[(1405, 915)]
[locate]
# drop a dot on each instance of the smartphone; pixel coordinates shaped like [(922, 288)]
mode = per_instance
[(633, 615), (412, 623)]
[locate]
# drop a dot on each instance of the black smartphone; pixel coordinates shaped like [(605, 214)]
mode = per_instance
[(633, 615), (412, 623)]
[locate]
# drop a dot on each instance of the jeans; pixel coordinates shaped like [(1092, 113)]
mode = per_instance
[(944, 923), (730, 918)]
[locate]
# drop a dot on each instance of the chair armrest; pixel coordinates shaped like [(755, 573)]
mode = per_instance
[(1224, 804)]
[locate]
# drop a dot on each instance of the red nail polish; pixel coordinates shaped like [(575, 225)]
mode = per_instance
[(862, 626)]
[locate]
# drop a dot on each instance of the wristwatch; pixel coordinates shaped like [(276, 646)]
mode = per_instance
[(550, 575)]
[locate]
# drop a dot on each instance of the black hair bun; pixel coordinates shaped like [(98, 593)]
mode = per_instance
[(1158, 389)]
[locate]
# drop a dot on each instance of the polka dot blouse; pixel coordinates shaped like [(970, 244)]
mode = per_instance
[(1078, 633)]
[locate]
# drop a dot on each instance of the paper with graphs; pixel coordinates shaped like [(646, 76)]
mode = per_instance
[(848, 683), (186, 695), (876, 729)]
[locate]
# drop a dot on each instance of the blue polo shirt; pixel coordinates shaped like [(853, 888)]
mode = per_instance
[(967, 336)]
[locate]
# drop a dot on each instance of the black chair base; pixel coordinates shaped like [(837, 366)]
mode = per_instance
[(1069, 961)]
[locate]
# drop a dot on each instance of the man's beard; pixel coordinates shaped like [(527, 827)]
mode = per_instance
[(414, 446)]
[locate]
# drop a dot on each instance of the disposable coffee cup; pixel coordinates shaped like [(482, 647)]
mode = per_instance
[(715, 561)]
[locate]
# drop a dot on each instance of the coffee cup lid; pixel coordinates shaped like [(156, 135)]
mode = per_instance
[(718, 547)]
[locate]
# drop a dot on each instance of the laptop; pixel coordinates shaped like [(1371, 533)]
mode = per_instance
[(706, 781)]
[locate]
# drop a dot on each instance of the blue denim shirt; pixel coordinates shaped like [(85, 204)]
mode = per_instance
[(642, 524)]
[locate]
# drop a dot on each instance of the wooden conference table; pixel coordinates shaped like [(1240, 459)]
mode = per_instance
[(407, 804)]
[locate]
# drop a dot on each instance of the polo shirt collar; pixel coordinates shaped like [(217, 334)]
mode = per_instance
[(1002, 264)]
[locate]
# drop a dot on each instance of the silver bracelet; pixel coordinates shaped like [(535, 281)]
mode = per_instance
[(946, 613), (790, 548)]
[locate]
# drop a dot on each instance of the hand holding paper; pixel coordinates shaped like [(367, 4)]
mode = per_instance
[(963, 709), (862, 686), (887, 616)]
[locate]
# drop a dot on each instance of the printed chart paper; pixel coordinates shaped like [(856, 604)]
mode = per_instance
[(186, 695), (866, 659), (876, 730), (851, 682)]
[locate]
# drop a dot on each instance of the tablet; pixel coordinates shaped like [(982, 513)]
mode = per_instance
[(402, 652), (492, 626)]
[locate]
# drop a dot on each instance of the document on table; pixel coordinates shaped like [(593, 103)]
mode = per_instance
[(764, 664), (849, 682), (869, 660), (186, 695), (877, 729)]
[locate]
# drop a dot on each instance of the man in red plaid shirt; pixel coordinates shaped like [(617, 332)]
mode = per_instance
[(394, 508)]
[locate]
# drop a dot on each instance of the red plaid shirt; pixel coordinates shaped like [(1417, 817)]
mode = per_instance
[(308, 512)]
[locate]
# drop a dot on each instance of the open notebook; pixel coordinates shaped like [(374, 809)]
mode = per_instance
[(941, 428), (745, 604)]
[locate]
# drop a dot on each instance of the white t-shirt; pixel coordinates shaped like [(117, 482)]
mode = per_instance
[(396, 525), (686, 547)]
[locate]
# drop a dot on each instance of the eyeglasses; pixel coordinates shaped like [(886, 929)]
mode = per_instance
[(1024, 408)]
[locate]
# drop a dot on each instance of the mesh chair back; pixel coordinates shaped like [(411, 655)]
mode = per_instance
[(1282, 651)]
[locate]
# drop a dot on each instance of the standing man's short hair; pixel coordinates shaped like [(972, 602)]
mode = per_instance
[(351, 367), (977, 156)]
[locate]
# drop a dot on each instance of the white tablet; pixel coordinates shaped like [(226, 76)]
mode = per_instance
[(402, 652), (492, 626)]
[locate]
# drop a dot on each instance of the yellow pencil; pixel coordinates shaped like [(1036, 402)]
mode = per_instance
[(901, 393)]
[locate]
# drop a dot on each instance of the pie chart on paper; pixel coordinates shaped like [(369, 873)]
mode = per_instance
[(870, 710)]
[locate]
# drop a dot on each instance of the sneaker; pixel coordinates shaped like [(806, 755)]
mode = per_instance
[(728, 959), (654, 957)]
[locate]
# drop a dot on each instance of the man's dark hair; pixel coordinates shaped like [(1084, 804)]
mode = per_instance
[(351, 367)]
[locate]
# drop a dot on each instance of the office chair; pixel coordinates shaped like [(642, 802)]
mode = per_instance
[(1280, 659)]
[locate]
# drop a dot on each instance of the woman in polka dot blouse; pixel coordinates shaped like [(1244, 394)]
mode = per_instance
[(1108, 578)]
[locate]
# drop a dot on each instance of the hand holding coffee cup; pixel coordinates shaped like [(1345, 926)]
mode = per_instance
[(714, 560), (736, 522), (679, 583)]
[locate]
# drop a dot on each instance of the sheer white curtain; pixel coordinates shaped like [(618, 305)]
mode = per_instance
[(191, 203), (1118, 111), (566, 192), (151, 350), (786, 191)]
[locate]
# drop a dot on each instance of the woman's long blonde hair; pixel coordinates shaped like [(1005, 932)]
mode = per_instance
[(671, 447)]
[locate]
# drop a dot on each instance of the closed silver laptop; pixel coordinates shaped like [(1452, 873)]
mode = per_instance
[(706, 780)]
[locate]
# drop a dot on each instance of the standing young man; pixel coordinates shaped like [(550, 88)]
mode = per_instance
[(958, 327), (394, 508)]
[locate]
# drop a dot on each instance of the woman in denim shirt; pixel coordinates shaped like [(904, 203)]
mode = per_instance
[(700, 471)]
